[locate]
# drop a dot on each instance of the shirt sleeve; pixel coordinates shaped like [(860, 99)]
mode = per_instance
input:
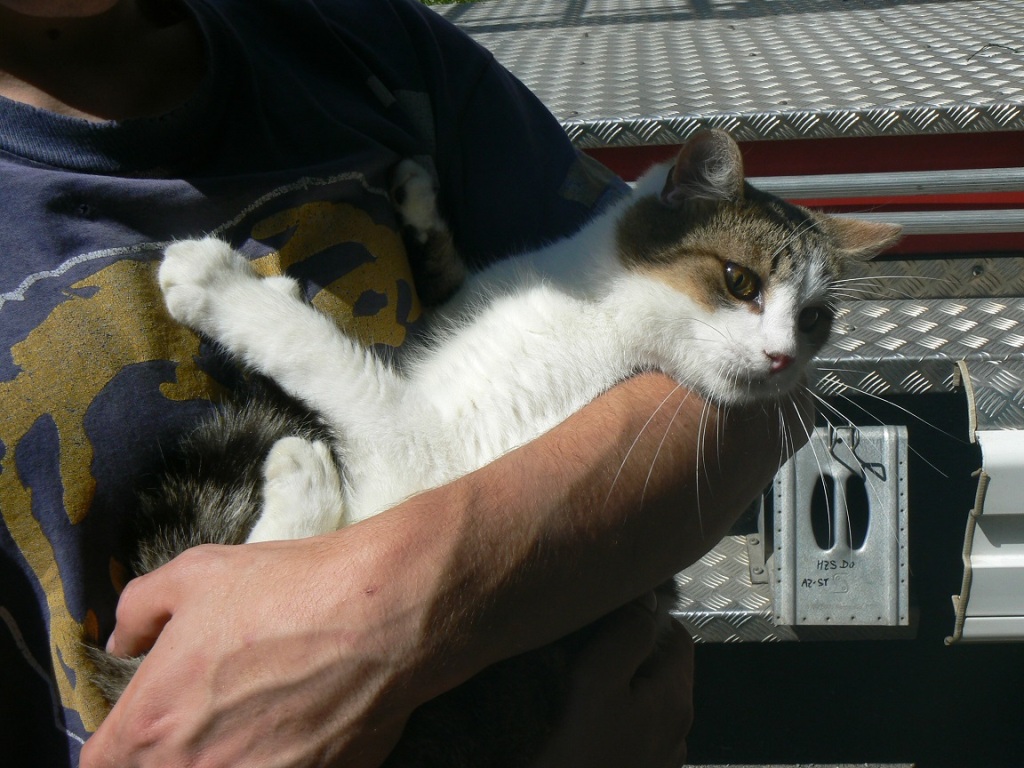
[(514, 172)]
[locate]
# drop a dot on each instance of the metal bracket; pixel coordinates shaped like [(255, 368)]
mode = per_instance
[(840, 530), (755, 553)]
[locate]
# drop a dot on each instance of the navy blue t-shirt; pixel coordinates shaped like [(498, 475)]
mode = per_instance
[(285, 150)]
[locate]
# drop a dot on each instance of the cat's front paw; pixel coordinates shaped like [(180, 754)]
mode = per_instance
[(415, 198), (195, 273)]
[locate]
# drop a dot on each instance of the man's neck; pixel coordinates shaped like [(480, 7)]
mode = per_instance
[(120, 64)]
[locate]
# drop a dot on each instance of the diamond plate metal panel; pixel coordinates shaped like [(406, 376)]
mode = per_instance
[(909, 346), (637, 72), (961, 278), (998, 393), (719, 603), (641, 72)]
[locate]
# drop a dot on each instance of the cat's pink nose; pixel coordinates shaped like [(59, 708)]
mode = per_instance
[(780, 361)]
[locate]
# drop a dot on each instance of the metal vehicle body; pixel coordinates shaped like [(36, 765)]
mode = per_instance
[(913, 491)]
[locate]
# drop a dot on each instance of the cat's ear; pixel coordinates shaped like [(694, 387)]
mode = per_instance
[(862, 240), (708, 167)]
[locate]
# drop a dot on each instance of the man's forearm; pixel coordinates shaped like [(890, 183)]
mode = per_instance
[(607, 505)]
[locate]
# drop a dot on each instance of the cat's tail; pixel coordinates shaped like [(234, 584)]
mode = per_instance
[(210, 490), (111, 673)]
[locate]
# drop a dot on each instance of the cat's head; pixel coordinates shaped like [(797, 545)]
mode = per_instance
[(741, 281)]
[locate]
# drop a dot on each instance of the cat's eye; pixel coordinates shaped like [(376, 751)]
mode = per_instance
[(743, 284), (810, 318)]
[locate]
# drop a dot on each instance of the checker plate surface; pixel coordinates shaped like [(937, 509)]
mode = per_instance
[(638, 72), (720, 604), (642, 72)]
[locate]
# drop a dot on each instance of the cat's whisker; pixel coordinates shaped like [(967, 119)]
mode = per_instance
[(786, 441), (657, 452), (831, 408), (809, 225), (862, 287), (877, 420), (833, 369), (822, 474), (849, 424), (897, 406), (887, 278), (859, 290), (872, 484), (873, 279), (883, 287), (640, 434), (851, 294), (719, 331), (702, 429), (723, 415)]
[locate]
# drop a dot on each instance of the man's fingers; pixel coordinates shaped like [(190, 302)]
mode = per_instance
[(665, 683), (148, 602), (142, 613), (667, 674), (615, 716), (672, 655), (621, 642)]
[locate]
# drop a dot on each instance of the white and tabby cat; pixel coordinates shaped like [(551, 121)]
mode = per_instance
[(695, 273)]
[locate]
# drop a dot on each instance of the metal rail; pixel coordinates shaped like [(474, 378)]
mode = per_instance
[(910, 183)]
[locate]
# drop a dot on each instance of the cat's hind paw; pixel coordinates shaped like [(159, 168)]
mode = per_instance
[(415, 198), (194, 273), (301, 491), (440, 271)]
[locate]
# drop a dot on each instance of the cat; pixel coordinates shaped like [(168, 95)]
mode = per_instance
[(694, 273)]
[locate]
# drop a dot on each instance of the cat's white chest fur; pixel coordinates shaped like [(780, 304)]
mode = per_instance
[(470, 395), (515, 355), (686, 276)]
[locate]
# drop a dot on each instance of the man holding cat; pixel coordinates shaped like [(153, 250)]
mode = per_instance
[(127, 124)]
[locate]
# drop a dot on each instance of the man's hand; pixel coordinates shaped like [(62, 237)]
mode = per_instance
[(266, 654), (631, 701)]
